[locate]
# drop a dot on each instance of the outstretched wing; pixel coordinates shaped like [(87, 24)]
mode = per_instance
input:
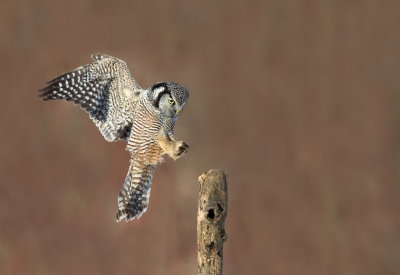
[(105, 89)]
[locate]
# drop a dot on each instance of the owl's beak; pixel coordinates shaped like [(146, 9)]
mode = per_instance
[(176, 111)]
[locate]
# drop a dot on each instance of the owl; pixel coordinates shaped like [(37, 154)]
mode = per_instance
[(122, 110)]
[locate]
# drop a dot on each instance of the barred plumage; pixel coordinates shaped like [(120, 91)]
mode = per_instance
[(134, 196), (123, 110), (105, 89)]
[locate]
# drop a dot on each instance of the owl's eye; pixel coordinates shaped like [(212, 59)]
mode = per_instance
[(171, 102)]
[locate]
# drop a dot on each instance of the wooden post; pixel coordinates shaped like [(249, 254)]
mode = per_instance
[(211, 214)]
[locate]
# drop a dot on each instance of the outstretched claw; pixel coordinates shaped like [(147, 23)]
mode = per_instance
[(180, 149), (183, 148)]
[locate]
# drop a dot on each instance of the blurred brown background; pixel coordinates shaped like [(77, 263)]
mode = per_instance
[(296, 100)]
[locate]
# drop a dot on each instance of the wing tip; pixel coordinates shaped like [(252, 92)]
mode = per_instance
[(100, 56)]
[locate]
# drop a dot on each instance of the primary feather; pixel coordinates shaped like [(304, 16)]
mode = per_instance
[(105, 89)]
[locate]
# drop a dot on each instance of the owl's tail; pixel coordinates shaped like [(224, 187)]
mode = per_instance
[(134, 196)]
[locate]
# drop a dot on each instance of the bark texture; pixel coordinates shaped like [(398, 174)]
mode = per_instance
[(211, 214)]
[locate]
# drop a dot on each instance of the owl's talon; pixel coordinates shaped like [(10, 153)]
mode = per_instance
[(181, 149)]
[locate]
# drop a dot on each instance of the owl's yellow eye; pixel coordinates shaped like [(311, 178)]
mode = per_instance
[(171, 102)]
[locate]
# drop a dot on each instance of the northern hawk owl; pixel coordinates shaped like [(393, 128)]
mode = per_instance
[(122, 110)]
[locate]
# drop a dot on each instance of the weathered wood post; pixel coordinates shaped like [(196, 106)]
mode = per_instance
[(211, 214)]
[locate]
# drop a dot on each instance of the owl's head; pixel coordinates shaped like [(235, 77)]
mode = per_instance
[(170, 98)]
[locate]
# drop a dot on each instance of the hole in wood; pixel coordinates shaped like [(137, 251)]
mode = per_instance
[(211, 214), (210, 246)]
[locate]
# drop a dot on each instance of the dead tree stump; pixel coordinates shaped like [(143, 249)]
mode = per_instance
[(211, 214)]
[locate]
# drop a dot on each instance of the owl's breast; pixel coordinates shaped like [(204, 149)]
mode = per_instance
[(142, 143)]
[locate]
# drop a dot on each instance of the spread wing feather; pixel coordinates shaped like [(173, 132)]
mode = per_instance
[(105, 89)]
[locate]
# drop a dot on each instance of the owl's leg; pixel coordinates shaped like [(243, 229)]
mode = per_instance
[(175, 149)]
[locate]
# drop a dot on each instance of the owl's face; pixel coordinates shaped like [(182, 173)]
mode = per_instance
[(170, 98)]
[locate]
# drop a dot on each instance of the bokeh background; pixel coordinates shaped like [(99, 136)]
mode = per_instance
[(296, 100)]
